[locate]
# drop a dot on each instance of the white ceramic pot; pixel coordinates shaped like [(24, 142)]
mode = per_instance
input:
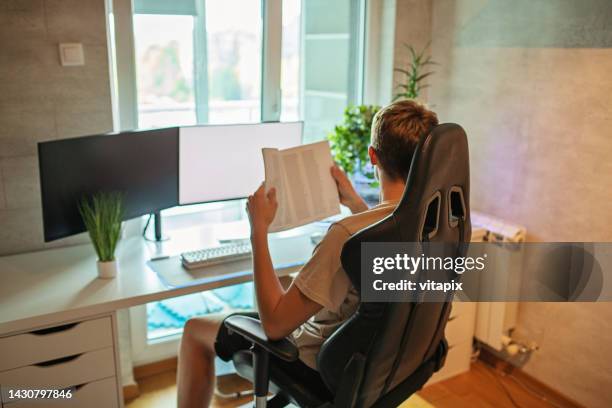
[(107, 269)]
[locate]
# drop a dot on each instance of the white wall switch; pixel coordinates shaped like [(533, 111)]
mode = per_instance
[(71, 54)]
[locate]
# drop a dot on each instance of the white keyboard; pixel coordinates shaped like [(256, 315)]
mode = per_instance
[(216, 255)]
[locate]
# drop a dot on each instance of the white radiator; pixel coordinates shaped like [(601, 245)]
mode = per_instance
[(494, 320)]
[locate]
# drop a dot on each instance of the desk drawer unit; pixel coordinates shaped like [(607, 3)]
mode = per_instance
[(49, 344), (97, 394), (459, 335), (459, 329), (80, 355), (462, 308)]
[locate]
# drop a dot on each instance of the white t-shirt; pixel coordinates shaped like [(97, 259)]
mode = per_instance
[(323, 281)]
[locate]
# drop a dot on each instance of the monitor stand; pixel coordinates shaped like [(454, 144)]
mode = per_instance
[(157, 227)]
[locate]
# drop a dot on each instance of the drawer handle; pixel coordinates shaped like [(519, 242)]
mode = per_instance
[(58, 360), (64, 327)]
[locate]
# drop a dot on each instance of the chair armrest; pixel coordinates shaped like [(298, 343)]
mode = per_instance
[(252, 330)]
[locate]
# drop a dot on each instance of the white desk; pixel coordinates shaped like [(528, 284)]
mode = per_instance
[(49, 287), (57, 287), (60, 286)]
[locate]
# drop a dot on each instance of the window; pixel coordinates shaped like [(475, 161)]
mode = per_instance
[(290, 60), (233, 31), (201, 61), (321, 51), (164, 46), (197, 62)]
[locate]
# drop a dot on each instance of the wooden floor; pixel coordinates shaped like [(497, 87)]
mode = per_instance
[(159, 391), (481, 387)]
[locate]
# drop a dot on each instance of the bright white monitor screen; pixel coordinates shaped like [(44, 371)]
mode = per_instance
[(224, 162)]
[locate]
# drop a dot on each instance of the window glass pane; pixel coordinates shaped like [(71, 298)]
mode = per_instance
[(327, 17), (233, 30), (164, 70), (290, 63), (201, 68), (323, 35), (167, 317)]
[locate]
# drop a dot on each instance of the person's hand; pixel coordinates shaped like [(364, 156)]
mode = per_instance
[(261, 208), (346, 191)]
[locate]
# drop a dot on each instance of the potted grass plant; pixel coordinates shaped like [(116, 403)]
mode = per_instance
[(102, 214)]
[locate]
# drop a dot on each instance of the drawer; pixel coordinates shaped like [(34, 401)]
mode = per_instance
[(457, 362), (463, 308), (64, 372), (48, 344), (459, 329), (96, 394)]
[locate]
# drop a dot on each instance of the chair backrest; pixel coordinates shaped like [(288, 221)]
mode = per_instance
[(394, 339)]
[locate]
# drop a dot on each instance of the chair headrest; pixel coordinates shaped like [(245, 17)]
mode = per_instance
[(438, 182), (435, 198)]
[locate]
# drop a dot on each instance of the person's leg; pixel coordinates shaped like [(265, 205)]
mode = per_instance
[(196, 370)]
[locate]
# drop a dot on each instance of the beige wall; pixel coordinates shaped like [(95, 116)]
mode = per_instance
[(531, 84), (413, 21), (41, 100)]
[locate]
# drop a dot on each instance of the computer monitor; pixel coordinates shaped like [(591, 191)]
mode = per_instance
[(143, 165), (224, 162)]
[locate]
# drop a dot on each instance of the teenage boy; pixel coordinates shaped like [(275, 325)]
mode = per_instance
[(321, 296)]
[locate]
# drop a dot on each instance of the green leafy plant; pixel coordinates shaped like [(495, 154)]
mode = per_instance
[(414, 74), (102, 215), (350, 140)]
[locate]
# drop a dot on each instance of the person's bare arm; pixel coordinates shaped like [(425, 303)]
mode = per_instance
[(346, 192), (280, 311)]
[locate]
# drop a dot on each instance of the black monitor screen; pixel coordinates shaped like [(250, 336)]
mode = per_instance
[(142, 165)]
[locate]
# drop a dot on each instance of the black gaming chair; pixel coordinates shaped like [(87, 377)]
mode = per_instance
[(386, 351)]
